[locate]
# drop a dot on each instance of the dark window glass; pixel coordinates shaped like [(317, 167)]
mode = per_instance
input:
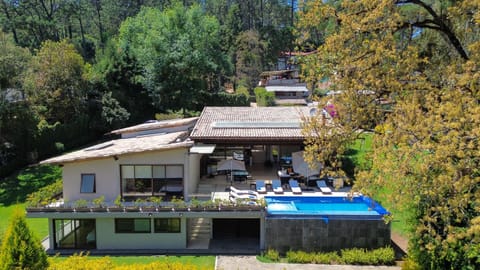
[(167, 225), (132, 225)]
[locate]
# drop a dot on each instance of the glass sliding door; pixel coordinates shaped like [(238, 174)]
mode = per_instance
[(74, 233)]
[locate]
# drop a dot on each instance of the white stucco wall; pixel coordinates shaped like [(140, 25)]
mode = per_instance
[(193, 168), (107, 172), (108, 239)]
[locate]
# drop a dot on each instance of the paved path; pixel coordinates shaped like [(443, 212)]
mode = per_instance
[(251, 263)]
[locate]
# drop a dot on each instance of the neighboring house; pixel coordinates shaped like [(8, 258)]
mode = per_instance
[(286, 86), (170, 159)]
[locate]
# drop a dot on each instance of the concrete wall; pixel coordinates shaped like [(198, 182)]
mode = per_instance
[(283, 234), (193, 171), (108, 239), (107, 172)]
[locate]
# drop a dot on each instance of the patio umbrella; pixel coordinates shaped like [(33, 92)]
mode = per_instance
[(301, 166), (231, 165)]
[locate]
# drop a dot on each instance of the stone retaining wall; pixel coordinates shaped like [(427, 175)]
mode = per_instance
[(322, 234)]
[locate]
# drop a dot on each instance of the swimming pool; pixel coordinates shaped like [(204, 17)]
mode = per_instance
[(358, 206), (324, 223)]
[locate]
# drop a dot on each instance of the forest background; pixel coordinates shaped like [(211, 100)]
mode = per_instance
[(70, 71)]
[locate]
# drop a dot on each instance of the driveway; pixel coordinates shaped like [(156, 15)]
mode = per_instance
[(251, 263)]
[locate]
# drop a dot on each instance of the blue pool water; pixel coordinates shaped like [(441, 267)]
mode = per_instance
[(359, 206)]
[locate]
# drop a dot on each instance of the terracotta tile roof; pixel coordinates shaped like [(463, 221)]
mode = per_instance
[(254, 124), (125, 146)]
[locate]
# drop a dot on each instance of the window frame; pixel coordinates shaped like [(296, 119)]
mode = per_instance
[(94, 188), (132, 224)]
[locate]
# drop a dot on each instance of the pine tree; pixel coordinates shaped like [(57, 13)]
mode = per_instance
[(20, 248)]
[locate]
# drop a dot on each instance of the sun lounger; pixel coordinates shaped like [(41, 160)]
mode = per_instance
[(243, 191), (323, 187), (277, 186), (294, 186), (260, 186), (242, 196)]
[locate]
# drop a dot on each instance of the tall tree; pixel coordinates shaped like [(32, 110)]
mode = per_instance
[(249, 58), (54, 82), (427, 147), (180, 51), (20, 248)]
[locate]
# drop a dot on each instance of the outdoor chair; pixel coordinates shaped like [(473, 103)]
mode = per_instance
[(243, 191), (277, 186), (242, 196), (260, 186), (294, 186), (323, 187)]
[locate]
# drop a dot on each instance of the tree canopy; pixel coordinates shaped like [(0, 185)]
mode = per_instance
[(180, 51), (408, 71)]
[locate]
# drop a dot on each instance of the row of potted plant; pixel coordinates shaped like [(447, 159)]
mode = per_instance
[(153, 204)]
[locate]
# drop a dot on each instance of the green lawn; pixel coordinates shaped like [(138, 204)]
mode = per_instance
[(14, 190), (357, 155), (38, 225)]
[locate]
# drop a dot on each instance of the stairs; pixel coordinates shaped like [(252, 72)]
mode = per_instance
[(199, 231)]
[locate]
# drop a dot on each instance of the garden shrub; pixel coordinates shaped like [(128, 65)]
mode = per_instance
[(272, 255), (381, 256), (45, 195), (327, 258), (263, 97), (384, 256), (20, 248), (300, 257)]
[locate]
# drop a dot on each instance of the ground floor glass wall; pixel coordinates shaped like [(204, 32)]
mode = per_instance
[(74, 233)]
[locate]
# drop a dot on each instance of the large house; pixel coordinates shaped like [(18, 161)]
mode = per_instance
[(176, 160)]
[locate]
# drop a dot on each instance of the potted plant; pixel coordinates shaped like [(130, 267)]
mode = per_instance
[(137, 204), (195, 205), (81, 206), (99, 204), (66, 207), (153, 204), (118, 202), (178, 204)]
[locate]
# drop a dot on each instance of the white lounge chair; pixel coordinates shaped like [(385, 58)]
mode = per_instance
[(323, 187), (243, 191), (260, 184), (294, 186), (277, 186)]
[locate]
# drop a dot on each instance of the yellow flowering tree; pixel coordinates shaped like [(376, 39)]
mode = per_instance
[(423, 58)]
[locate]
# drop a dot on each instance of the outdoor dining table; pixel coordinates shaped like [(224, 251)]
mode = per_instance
[(240, 175)]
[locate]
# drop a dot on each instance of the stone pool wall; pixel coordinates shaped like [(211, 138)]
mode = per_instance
[(319, 234)]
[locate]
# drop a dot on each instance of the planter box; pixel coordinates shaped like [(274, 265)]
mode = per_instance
[(40, 209), (132, 209), (82, 210), (62, 209), (99, 209), (115, 209), (149, 209)]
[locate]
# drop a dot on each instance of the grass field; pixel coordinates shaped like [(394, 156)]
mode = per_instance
[(358, 155), (38, 225)]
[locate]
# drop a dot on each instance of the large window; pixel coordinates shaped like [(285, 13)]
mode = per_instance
[(74, 233), (167, 225), (151, 180), (132, 225), (87, 185)]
